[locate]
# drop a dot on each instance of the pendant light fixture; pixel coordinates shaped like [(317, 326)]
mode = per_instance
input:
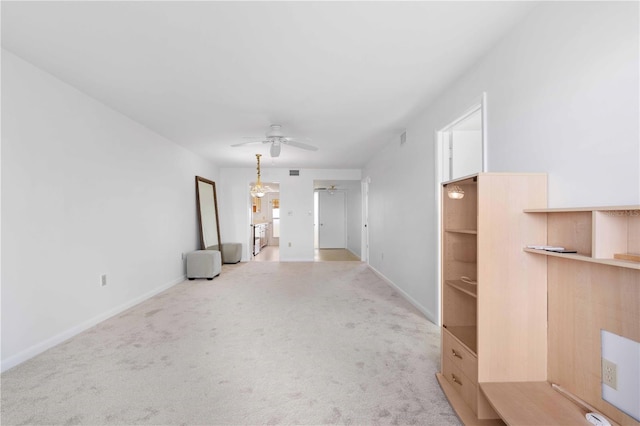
[(455, 192), (258, 190)]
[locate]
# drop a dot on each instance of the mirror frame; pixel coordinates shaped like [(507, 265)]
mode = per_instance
[(199, 208)]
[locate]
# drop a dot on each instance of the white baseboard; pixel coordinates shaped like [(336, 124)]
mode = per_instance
[(38, 348), (406, 296), (354, 253), (298, 259)]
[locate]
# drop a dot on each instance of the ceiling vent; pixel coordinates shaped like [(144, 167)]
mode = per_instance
[(403, 138), (294, 172)]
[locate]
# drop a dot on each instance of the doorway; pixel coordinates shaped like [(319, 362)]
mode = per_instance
[(462, 146), (331, 219), (265, 225), (337, 219)]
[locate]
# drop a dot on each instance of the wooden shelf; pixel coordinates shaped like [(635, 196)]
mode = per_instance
[(596, 233), (463, 231), (466, 334), (584, 258), (532, 403), (583, 209), (470, 289)]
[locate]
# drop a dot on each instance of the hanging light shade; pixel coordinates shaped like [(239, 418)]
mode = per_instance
[(258, 190)]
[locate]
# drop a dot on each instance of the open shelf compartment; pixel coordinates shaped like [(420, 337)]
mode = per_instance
[(598, 234)]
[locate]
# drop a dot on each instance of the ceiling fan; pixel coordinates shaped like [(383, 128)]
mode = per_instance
[(326, 188), (276, 138)]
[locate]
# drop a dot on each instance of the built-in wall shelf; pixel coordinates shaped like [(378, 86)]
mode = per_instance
[(466, 334), (470, 289), (597, 234), (584, 209), (583, 258), (463, 231)]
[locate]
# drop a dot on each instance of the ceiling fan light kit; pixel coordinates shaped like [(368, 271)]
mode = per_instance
[(276, 138), (275, 148)]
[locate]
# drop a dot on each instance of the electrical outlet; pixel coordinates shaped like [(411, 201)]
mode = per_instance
[(289, 244), (103, 280), (609, 373), (621, 372)]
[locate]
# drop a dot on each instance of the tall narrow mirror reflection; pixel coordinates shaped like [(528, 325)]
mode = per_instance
[(207, 206)]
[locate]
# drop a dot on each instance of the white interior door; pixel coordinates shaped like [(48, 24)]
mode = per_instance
[(332, 219)]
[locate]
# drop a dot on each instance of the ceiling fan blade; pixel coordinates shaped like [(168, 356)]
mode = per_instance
[(300, 145), (248, 143)]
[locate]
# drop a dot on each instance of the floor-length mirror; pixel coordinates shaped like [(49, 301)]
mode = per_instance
[(207, 206)]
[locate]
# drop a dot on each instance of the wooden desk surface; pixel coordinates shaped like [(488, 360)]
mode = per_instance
[(532, 403)]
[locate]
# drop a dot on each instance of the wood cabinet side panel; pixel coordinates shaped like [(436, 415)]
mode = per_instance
[(512, 298)]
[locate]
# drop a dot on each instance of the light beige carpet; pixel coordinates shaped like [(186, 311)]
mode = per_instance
[(263, 343)]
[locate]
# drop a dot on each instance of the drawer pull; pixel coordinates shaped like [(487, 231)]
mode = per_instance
[(456, 354), (454, 379)]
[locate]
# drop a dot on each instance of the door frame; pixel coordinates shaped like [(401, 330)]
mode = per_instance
[(364, 242), (479, 103)]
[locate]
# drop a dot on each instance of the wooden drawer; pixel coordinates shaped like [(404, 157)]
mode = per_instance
[(460, 356), (461, 383)]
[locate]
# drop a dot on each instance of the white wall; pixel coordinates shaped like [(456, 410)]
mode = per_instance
[(562, 98), (85, 191), (296, 207)]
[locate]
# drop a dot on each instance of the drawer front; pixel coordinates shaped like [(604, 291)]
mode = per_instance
[(461, 383), (460, 356)]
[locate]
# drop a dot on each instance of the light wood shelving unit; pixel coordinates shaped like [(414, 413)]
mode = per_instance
[(483, 332), (534, 317)]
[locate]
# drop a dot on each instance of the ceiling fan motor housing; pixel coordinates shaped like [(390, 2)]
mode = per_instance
[(275, 131)]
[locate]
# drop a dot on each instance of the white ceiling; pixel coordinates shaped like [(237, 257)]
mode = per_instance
[(348, 75)]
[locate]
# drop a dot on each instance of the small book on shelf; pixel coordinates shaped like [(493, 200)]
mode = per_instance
[(554, 249)]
